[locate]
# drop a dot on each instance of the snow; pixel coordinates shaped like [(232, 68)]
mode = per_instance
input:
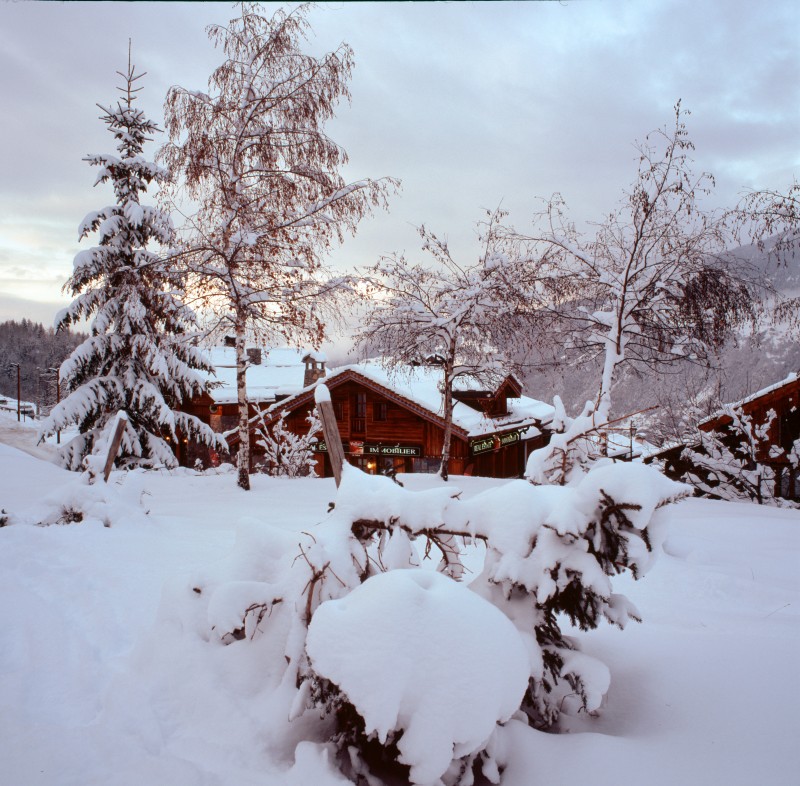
[(421, 385), (791, 378), (322, 394), (104, 677), (281, 373), (383, 645)]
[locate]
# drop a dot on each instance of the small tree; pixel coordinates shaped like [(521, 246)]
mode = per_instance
[(456, 313), (286, 454), (650, 287), (387, 665), (270, 200), (139, 358), (726, 465)]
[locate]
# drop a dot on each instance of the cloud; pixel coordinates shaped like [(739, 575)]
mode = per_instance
[(470, 104)]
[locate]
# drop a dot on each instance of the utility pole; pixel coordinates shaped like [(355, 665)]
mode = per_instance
[(12, 365), (58, 400), (57, 372)]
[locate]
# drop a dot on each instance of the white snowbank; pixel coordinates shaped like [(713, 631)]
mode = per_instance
[(416, 652)]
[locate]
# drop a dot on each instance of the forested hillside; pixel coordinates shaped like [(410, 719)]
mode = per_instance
[(37, 349)]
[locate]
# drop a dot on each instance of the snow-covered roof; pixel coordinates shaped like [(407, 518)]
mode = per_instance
[(280, 374), (793, 377), (421, 386)]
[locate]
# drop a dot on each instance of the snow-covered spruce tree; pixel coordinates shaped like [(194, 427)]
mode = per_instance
[(459, 313), (288, 455), (416, 670), (266, 199), (139, 357)]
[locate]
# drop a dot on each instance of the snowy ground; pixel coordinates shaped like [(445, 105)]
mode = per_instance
[(705, 691)]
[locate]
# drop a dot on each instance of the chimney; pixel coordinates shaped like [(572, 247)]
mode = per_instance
[(315, 369), (254, 356)]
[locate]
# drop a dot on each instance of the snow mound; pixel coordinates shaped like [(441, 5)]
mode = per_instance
[(416, 652)]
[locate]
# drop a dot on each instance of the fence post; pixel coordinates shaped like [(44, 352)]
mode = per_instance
[(330, 430), (122, 420)]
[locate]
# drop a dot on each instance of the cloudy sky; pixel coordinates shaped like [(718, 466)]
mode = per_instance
[(471, 105)]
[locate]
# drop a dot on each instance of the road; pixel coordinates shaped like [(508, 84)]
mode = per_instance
[(24, 436)]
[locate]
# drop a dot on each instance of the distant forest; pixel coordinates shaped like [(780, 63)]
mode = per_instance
[(38, 350)]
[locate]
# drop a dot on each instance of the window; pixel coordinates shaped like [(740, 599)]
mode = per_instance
[(427, 465), (358, 423), (338, 410), (379, 410)]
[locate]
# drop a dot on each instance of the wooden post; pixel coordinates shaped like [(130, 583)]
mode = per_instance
[(330, 430), (122, 420)]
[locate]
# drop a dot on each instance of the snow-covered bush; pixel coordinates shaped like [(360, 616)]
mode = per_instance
[(725, 464), (569, 453), (82, 502), (415, 663), (286, 454), (372, 652)]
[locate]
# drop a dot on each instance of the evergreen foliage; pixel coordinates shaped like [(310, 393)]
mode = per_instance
[(550, 555), (139, 357)]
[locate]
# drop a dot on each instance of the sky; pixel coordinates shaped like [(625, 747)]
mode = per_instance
[(471, 105)]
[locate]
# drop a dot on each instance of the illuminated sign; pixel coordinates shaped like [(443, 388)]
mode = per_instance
[(365, 448), (495, 441), (393, 450)]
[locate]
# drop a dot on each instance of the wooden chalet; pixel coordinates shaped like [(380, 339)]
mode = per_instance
[(393, 423), (780, 404)]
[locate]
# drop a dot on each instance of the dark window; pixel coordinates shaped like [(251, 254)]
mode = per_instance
[(338, 410), (358, 421), (379, 410)]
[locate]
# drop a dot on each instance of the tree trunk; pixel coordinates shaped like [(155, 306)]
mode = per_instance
[(243, 404), (448, 421)]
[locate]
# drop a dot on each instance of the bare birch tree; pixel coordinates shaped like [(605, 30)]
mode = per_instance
[(771, 219), (265, 179), (651, 286), (456, 312)]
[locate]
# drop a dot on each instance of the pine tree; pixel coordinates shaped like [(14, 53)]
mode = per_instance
[(138, 358)]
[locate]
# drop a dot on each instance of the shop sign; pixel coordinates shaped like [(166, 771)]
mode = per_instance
[(393, 450), (366, 448), (484, 445), (495, 441)]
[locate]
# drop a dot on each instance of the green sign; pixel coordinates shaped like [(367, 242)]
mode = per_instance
[(484, 445), (495, 441)]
